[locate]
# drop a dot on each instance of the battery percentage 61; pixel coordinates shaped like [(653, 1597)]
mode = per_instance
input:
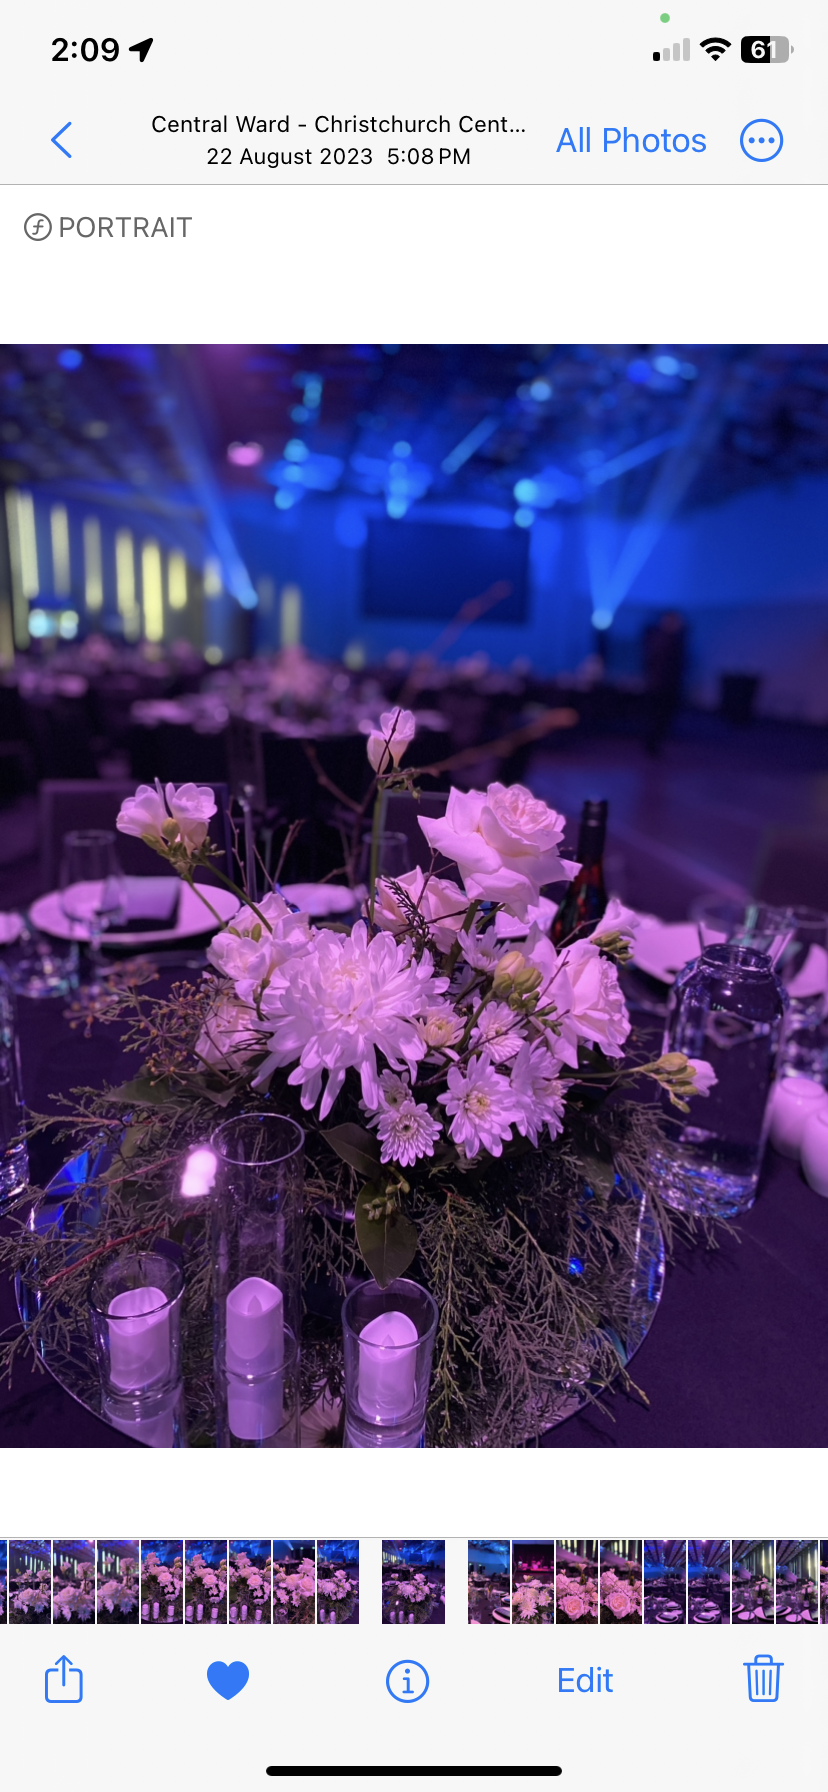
[(764, 50)]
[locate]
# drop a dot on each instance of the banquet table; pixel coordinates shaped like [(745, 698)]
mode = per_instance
[(737, 1355)]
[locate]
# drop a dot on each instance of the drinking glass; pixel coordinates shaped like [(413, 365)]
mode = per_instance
[(803, 967), (727, 1008), (14, 1156), (257, 1266), (761, 925), (93, 891), (388, 1341), (393, 856)]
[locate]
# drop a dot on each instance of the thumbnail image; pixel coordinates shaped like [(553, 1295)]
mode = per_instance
[(73, 1580), (118, 1589), (708, 1581), (205, 1582), (533, 1582), (294, 1583), (413, 1582), (621, 1587), (665, 1581), (797, 1581), (753, 1579), (337, 1581), (250, 1581), (489, 1582), (576, 1581), (4, 1568), (30, 1580), (162, 1581), (823, 1581)]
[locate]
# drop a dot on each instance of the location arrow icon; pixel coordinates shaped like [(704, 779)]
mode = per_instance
[(143, 48), (61, 146)]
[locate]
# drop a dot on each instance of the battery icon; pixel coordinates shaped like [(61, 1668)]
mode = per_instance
[(764, 50)]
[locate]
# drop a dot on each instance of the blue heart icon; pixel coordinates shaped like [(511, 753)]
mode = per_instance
[(228, 1677)]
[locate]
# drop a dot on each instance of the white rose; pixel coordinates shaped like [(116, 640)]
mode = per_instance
[(144, 815), (191, 806), (230, 1034), (505, 842), (442, 905), (396, 732), (598, 1012)]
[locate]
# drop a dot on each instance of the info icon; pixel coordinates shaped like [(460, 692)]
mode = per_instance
[(407, 1681)]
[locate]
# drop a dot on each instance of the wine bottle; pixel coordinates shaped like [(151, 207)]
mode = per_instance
[(586, 899)]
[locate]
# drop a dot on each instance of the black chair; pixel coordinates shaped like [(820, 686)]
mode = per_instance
[(66, 804)]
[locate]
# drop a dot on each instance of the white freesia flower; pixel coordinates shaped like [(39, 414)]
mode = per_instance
[(172, 817), (406, 1133), (617, 919), (344, 1000), (505, 842), (191, 806), (483, 1107), (250, 953), (500, 1030), (442, 905), (396, 732), (538, 1090), (706, 1078)]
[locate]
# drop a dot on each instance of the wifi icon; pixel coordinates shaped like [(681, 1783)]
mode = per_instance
[(715, 46)]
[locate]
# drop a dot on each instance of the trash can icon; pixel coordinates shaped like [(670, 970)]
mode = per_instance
[(763, 1679)]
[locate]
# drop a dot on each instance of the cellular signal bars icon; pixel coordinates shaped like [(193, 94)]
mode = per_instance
[(680, 52)]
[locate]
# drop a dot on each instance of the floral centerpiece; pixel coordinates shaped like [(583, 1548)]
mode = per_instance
[(533, 1602), (576, 1597), (418, 1595), (73, 1598), (162, 1588), (294, 1591), (29, 1596), (336, 1595), (117, 1597), (461, 1082), (206, 1586), (621, 1597), (249, 1589)]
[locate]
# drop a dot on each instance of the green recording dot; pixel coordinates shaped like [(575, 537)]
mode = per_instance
[(664, 17)]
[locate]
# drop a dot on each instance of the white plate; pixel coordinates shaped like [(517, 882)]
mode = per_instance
[(318, 900), (662, 948), (193, 918)]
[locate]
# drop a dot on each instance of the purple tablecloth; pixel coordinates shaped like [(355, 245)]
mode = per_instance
[(737, 1356)]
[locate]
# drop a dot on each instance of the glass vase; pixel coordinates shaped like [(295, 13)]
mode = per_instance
[(388, 1338), (727, 1007), (257, 1268)]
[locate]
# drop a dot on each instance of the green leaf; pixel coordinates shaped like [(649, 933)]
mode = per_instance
[(355, 1146), (388, 1245), (147, 1094)]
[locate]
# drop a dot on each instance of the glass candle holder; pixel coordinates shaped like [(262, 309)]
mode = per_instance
[(257, 1268), (388, 1336), (135, 1304)]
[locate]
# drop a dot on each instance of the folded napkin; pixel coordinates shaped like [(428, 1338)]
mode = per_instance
[(151, 904)]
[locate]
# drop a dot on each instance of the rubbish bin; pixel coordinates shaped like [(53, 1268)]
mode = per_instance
[(763, 1679)]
